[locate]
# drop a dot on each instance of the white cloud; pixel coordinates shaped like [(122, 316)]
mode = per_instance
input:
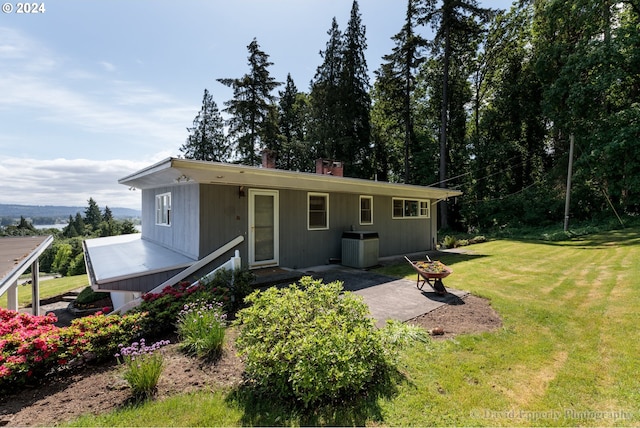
[(70, 182), (50, 94), (108, 66)]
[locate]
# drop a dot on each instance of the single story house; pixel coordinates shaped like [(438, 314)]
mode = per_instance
[(277, 218)]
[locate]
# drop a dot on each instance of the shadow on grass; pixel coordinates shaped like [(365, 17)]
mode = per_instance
[(402, 269), (261, 409), (597, 240)]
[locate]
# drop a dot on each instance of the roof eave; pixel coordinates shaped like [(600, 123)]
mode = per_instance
[(172, 171)]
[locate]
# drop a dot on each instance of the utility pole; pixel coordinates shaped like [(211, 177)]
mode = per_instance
[(568, 198)]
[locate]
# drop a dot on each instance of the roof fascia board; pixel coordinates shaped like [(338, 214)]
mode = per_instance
[(156, 167), (242, 175)]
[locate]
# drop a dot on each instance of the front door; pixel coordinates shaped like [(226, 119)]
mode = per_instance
[(263, 228)]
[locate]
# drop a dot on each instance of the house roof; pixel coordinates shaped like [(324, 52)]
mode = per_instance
[(116, 258), (173, 170), (17, 254)]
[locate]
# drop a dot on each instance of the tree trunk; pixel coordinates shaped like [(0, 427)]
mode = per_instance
[(407, 114), (444, 221)]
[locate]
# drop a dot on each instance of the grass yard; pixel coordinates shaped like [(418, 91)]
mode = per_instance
[(568, 355), (48, 288)]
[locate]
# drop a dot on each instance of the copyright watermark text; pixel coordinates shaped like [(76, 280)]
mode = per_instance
[(24, 8), (567, 414)]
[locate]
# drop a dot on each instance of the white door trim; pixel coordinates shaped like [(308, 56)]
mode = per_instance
[(276, 228)]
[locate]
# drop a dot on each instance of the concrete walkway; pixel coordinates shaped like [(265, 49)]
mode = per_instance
[(388, 297)]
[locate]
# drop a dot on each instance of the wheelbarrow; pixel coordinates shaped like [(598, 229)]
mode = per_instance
[(432, 273)]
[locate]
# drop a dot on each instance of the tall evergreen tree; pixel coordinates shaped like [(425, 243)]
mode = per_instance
[(396, 79), (325, 98), (207, 140), (92, 215), (107, 215), (454, 18), (355, 100), (294, 153), (251, 105)]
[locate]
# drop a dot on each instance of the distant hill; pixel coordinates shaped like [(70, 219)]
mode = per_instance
[(50, 214)]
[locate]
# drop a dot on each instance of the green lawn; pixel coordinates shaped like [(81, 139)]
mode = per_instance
[(48, 288), (568, 354)]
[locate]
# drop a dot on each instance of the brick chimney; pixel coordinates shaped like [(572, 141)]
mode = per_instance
[(329, 167), (268, 159)]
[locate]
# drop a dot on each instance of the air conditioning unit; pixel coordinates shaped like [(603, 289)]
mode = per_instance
[(360, 249)]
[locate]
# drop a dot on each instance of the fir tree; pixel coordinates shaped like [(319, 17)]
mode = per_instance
[(396, 80), (454, 19), (293, 109), (207, 140), (325, 97), (250, 125), (92, 215), (355, 100), (108, 215)]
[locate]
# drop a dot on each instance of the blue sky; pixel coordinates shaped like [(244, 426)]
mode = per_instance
[(91, 91)]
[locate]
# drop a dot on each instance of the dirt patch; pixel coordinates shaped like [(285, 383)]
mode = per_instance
[(97, 389), (469, 315)]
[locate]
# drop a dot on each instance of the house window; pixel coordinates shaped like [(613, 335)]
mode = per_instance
[(411, 208), (318, 211), (163, 209), (366, 209)]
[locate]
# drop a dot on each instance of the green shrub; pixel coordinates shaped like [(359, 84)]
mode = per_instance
[(226, 286), (87, 295), (450, 242), (477, 239), (201, 328), (99, 335), (163, 308), (229, 287), (310, 343)]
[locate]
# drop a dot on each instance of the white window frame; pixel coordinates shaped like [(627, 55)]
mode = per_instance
[(163, 209), (326, 198), (370, 198), (423, 208)]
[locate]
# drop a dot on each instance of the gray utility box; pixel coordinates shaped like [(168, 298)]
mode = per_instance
[(360, 249)]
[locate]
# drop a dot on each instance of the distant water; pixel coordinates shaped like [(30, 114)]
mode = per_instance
[(62, 226), (50, 226)]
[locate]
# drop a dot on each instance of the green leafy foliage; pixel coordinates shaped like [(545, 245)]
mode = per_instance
[(310, 343), (201, 328), (225, 286), (87, 295)]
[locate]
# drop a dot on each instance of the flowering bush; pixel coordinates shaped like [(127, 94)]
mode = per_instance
[(29, 346), (99, 335), (201, 327), (226, 286), (32, 346), (143, 366)]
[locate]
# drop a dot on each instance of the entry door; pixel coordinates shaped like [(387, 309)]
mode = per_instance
[(263, 228)]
